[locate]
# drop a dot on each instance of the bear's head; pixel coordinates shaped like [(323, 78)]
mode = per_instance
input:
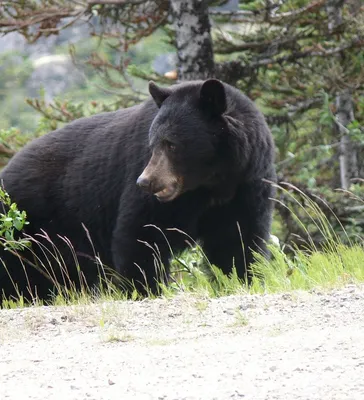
[(185, 138)]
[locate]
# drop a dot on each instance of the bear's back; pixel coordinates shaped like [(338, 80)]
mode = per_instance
[(79, 164)]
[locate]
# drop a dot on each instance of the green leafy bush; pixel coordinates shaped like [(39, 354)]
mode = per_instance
[(12, 221)]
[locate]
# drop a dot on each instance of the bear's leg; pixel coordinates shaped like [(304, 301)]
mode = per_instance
[(140, 254), (230, 233), (141, 259), (20, 278)]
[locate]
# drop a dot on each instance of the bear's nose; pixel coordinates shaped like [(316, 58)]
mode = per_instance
[(144, 183)]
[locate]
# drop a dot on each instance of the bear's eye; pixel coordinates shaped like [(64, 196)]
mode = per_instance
[(171, 147)]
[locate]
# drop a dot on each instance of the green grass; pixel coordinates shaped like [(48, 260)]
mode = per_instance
[(304, 270), (333, 264), (309, 269)]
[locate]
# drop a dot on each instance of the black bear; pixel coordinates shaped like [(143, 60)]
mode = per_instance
[(197, 156)]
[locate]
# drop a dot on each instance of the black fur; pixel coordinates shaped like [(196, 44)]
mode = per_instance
[(86, 173)]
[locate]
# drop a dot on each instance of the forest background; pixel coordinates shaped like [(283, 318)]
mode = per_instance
[(301, 61)]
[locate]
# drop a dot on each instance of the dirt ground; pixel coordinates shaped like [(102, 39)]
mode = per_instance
[(292, 346)]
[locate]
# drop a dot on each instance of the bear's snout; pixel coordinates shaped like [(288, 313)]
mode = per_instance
[(164, 190), (144, 183)]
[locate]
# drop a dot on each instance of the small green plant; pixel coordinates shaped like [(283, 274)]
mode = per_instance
[(12, 220), (12, 304), (240, 319), (201, 305), (119, 337)]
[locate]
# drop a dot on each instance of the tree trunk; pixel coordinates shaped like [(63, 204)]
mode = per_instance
[(193, 39), (348, 153), (344, 109), (334, 14)]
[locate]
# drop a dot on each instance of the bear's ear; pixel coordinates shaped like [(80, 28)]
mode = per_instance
[(158, 94), (213, 97)]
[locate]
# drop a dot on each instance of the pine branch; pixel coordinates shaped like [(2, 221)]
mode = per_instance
[(36, 17), (121, 2), (268, 14), (227, 47), (232, 71)]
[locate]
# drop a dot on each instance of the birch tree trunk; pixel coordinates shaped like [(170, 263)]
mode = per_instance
[(348, 153), (344, 110), (193, 39)]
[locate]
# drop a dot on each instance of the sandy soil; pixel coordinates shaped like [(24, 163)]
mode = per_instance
[(291, 346)]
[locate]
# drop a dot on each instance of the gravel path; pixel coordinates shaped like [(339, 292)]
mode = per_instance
[(292, 346)]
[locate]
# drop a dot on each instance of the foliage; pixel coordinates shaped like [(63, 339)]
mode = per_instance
[(15, 71), (12, 220)]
